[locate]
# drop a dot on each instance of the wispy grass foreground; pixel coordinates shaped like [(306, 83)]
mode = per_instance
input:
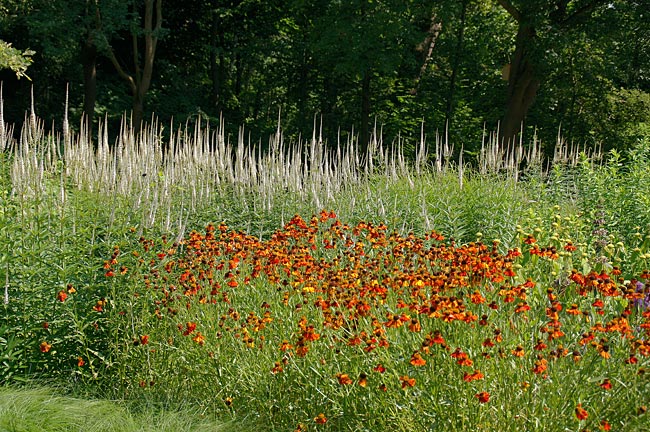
[(431, 295), (45, 410)]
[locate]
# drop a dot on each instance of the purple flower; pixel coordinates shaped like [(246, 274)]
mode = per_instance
[(644, 302)]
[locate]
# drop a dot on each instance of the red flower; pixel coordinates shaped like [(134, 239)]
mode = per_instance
[(189, 328), (476, 375), (569, 247), (45, 347), (606, 384), (541, 364), (581, 413), (483, 397), (605, 426), (61, 296), (144, 339), (320, 419)]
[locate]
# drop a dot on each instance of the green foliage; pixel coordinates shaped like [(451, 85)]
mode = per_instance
[(14, 59), (338, 64)]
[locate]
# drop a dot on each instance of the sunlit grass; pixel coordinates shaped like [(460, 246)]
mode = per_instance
[(45, 410)]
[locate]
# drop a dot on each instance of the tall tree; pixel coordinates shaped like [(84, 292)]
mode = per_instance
[(526, 71), (142, 62)]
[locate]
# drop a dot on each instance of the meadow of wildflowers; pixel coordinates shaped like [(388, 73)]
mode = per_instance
[(332, 292)]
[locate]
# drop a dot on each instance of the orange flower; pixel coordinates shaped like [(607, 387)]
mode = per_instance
[(605, 426), (45, 347), (518, 351), (477, 298), (407, 381), (379, 368), (581, 413), (437, 338), (80, 361), (569, 247), (476, 375), (344, 379), (541, 364), (414, 325), (277, 368), (199, 338), (144, 339), (61, 296), (363, 379), (285, 346), (99, 306), (320, 419), (540, 346), (530, 239), (483, 397), (417, 360)]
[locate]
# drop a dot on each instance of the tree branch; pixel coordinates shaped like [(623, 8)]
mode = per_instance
[(511, 9), (582, 12), (120, 71)]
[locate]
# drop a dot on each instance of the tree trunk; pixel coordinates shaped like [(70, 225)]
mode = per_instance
[(138, 108), (141, 80), (365, 111), (216, 61), (429, 43), (456, 65), (523, 84), (303, 86)]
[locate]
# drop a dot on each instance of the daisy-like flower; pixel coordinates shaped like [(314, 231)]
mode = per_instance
[(476, 375), (417, 360), (344, 379), (581, 413), (407, 381), (61, 296), (606, 384), (483, 397)]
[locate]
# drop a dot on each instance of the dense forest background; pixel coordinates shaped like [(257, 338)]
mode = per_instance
[(456, 67)]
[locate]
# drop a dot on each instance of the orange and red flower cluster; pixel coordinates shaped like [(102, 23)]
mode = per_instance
[(361, 288)]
